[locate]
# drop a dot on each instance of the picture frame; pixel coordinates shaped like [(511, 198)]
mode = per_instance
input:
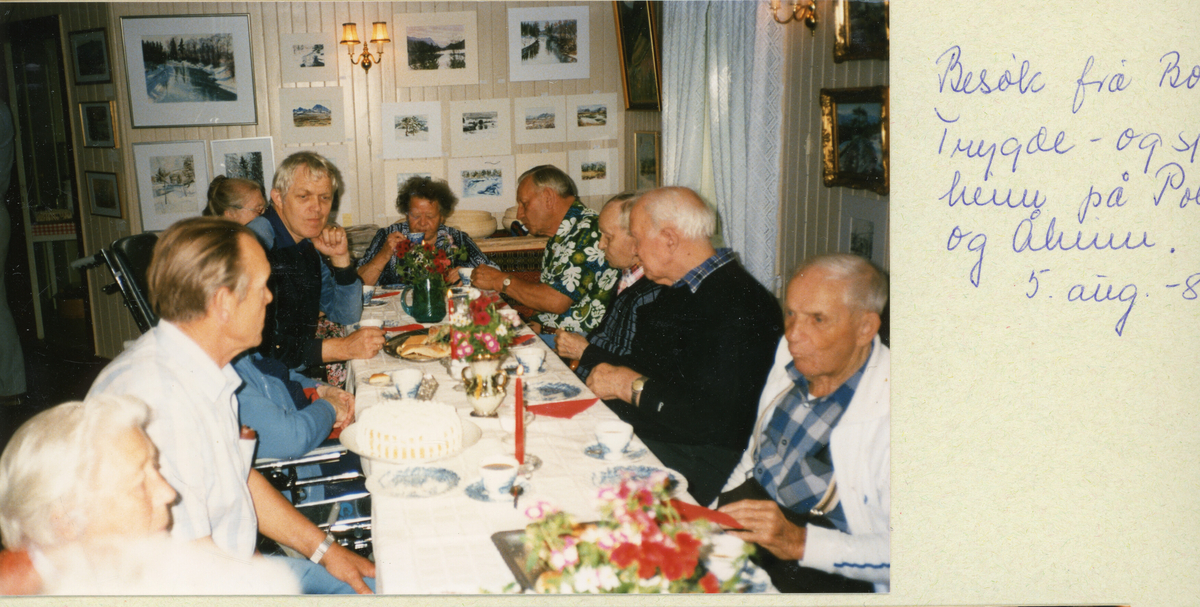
[(412, 130), (104, 193), (312, 115), (596, 172), (485, 183), (548, 43), (645, 160), (210, 83), (250, 158), (592, 117), (439, 48), (863, 230), (97, 124), (540, 119), (308, 57), (89, 54), (861, 28), (641, 60), (854, 138), (172, 181), (480, 127)]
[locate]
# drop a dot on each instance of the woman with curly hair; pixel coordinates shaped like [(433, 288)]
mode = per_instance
[(425, 203)]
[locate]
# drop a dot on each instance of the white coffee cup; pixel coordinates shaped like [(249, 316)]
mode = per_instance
[(368, 293), (498, 472), (508, 419), (615, 436), (407, 382), (465, 275), (371, 322), (530, 357)]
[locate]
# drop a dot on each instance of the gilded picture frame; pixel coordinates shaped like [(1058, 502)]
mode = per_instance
[(104, 193), (854, 138), (861, 28), (98, 125), (641, 61)]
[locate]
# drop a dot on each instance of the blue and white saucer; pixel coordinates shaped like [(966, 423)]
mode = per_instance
[(632, 453), (420, 481), (613, 476), (550, 392), (477, 492)]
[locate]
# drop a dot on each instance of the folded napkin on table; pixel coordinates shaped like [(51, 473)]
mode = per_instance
[(691, 512), (383, 295), (404, 328), (564, 409), (523, 339)]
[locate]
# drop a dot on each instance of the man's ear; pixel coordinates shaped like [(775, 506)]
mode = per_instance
[(670, 237), (223, 304), (867, 328), (276, 197)]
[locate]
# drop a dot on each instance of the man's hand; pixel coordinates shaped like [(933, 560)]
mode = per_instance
[(347, 566), (333, 244), (610, 382), (487, 277), (362, 344), (569, 345), (342, 401), (766, 526)]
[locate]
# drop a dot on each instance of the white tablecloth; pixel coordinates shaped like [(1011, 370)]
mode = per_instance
[(443, 543)]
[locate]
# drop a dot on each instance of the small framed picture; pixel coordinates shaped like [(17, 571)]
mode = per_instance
[(252, 158), (96, 121), (645, 149), (89, 50), (640, 62), (308, 57), (172, 181), (854, 138), (103, 193), (862, 30), (549, 43)]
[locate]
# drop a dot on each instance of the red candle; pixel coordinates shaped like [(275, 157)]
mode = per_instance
[(520, 433)]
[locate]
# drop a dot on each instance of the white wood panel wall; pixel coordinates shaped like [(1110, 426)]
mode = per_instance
[(810, 213), (368, 198)]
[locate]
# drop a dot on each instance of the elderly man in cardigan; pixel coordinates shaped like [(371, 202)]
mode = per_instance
[(701, 350), (813, 488)]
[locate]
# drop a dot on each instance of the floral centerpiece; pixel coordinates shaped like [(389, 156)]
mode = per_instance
[(415, 262), (641, 544), (482, 332)]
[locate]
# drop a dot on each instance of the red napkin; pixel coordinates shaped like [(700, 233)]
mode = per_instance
[(565, 409), (523, 339), (404, 328), (691, 512), (383, 295)]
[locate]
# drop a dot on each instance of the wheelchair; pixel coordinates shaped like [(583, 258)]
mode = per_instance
[(327, 484)]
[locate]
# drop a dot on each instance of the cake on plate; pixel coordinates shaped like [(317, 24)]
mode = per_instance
[(410, 430)]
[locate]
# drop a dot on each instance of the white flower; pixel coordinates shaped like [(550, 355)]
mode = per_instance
[(502, 329), (608, 278), (566, 227), (587, 579), (570, 278), (593, 253), (607, 578)]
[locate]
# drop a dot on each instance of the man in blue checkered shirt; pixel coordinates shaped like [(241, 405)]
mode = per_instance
[(813, 488)]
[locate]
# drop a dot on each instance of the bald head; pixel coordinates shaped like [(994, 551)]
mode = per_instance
[(672, 228)]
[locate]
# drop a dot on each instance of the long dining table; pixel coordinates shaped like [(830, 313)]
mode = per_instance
[(442, 543)]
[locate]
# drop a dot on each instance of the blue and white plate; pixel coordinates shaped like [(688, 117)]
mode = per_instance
[(413, 482), (613, 476), (550, 392), (632, 452), (477, 492), (375, 303)]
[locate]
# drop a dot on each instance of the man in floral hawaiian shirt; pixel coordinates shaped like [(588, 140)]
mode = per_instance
[(576, 281)]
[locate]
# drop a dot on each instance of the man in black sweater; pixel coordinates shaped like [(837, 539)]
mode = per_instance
[(702, 349)]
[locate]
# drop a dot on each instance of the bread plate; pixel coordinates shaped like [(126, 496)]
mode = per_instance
[(394, 343)]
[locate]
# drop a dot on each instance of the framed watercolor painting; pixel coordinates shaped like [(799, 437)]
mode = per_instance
[(308, 57), (189, 70), (540, 119), (172, 181), (412, 130), (480, 127), (641, 64), (854, 138), (89, 50), (104, 194), (312, 115), (251, 158), (645, 159), (862, 30), (96, 121), (591, 117), (548, 43), (440, 49)]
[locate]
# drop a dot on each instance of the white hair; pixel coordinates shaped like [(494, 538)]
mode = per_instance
[(47, 470), (868, 285), (681, 208)]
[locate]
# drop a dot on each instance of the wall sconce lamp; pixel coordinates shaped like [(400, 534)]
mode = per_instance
[(379, 35), (806, 11)]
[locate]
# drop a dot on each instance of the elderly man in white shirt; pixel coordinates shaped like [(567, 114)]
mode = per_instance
[(208, 285), (813, 487)]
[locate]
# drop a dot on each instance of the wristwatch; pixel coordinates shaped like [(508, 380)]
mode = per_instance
[(636, 387), (504, 285), (322, 549)]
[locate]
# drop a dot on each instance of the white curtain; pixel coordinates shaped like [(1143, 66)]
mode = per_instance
[(722, 114)]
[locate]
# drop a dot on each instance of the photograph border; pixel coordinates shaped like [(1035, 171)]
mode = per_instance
[(142, 152), (630, 22), (831, 172), (432, 148), (147, 114), (88, 140), (637, 159), (410, 77), (264, 145), (290, 73), (91, 177), (289, 133), (577, 70), (80, 36), (843, 48)]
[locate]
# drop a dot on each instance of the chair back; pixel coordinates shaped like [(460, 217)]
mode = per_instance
[(129, 259)]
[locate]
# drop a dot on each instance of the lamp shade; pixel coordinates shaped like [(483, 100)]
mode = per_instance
[(379, 32), (350, 34)]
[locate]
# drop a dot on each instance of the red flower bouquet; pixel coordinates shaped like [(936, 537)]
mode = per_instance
[(483, 333), (416, 262)]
